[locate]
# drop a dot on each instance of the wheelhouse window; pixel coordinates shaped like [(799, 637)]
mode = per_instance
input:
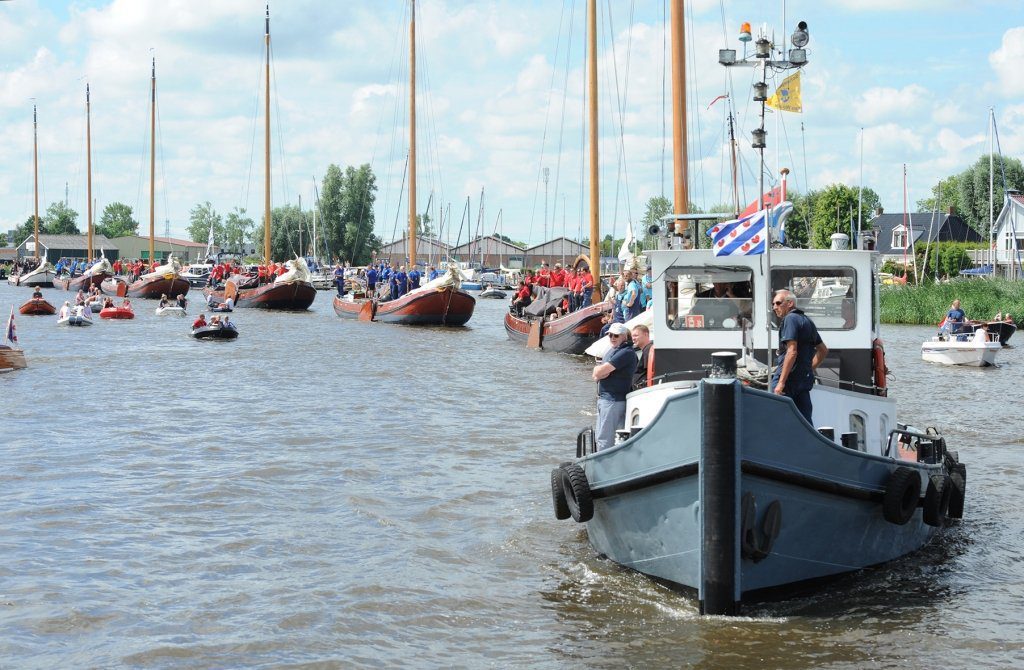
[(827, 295), (708, 298)]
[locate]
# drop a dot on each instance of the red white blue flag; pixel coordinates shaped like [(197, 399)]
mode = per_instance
[(12, 331), (744, 236)]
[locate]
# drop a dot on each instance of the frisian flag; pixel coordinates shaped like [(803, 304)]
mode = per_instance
[(744, 236), (12, 330)]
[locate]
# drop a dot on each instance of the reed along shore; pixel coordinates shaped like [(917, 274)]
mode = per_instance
[(928, 303)]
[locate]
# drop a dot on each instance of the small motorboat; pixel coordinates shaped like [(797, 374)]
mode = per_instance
[(170, 310), (121, 312), (216, 331), (977, 349), (37, 306), (95, 306), (491, 292), (78, 315)]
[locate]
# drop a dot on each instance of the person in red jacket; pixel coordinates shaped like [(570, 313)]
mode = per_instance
[(200, 321), (557, 276)]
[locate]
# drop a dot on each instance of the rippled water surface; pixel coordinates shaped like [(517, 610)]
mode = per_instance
[(326, 493)]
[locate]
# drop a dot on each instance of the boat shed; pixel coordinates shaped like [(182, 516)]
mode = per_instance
[(56, 247), (893, 232), (427, 251), (495, 251), (559, 250), (186, 251)]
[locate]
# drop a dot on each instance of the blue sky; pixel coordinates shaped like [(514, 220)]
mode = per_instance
[(917, 75)]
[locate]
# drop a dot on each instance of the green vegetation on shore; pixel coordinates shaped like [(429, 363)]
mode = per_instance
[(929, 302)]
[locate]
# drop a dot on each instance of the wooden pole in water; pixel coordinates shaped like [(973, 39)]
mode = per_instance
[(35, 180), (595, 212), (152, 164), (680, 161), (88, 170), (412, 135), (266, 154)]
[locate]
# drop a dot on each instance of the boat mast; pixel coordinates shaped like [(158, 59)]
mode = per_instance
[(35, 179), (680, 162), (266, 154), (991, 188), (412, 134), (88, 169), (595, 228), (152, 163)]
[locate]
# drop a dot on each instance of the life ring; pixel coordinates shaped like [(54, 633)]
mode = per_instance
[(936, 500), (650, 367), (558, 495), (958, 491), (577, 493), (902, 492), (879, 366)]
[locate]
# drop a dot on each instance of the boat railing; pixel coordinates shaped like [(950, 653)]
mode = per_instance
[(908, 444)]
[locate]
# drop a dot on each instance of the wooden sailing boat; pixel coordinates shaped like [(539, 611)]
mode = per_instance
[(575, 331), (441, 302), (292, 290), (101, 271), (164, 279), (43, 274)]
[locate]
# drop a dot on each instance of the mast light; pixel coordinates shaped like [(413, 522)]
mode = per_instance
[(727, 56), (798, 56), (760, 91), (762, 48), (759, 136), (745, 32), (800, 36)]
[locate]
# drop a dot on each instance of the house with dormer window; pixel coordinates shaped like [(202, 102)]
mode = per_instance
[(896, 235), (1008, 236)]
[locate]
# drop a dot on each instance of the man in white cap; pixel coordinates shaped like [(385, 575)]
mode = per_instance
[(614, 377)]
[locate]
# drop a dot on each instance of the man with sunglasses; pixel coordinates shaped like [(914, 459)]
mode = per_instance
[(801, 351), (614, 377)]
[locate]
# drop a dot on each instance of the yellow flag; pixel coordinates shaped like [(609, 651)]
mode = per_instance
[(787, 96)]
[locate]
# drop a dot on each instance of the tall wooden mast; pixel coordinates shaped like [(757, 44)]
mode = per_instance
[(412, 136), (595, 212), (88, 170), (680, 161), (266, 154), (35, 180), (152, 165)]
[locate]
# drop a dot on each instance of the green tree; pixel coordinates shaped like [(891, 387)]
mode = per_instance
[(117, 221), (238, 228), (61, 220), (968, 191), (833, 209), (27, 229), (200, 219), (331, 221), (359, 192)]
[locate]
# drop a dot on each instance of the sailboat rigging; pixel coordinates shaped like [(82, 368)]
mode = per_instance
[(292, 290), (163, 279), (43, 273), (573, 332), (440, 302)]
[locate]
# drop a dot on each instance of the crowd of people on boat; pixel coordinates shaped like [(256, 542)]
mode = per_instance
[(216, 321), (383, 280), (578, 282), (20, 266)]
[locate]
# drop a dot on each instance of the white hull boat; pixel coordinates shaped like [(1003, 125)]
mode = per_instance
[(973, 349), (170, 310), (78, 316)]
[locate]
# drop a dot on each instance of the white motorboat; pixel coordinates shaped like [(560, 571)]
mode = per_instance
[(79, 315), (197, 274), (42, 276), (977, 349), (170, 310)]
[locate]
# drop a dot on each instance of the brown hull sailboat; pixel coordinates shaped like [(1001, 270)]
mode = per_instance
[(447, 306)]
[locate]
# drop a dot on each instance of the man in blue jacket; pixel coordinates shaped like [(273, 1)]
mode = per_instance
[(801, 351), (614, 377)]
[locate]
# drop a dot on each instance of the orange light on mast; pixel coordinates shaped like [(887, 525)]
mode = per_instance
[(745, 32)]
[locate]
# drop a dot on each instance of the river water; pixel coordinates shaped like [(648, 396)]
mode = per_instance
[(335, 494)]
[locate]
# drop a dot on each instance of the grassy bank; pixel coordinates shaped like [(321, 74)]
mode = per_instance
[(928, 303)]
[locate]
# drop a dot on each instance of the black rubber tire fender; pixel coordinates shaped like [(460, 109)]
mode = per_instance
[(558, 495), (936, 500), (958, 491), (902, 492), (577, 493)]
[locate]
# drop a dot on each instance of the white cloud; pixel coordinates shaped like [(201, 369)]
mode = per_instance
[(1008, 60), (884, 103)]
